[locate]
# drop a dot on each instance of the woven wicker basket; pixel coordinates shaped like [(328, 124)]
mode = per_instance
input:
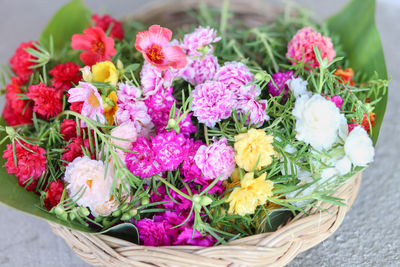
[(269, 249)]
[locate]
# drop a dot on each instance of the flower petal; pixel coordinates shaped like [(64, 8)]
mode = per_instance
[(175, 57)]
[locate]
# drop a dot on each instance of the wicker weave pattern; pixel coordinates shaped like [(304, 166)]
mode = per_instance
[(269, 249)]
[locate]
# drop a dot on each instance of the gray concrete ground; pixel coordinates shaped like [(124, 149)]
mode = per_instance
[(370, 234)]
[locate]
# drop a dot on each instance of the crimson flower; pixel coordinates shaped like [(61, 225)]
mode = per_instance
[(68, 129), (65, 75), (53, 194), (155, 46), (104, 22), (21, 61), (98, 46), (47, 100)]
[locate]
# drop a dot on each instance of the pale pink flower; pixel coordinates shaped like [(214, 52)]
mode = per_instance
[(137, 113), (201, 69), (152, 79), (128, 93), (199, 39), (256, 110), (126, 131)]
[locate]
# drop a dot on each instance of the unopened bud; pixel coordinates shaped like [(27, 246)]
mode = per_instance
[(205, 201), (59, 210), (126, 217), (10, 131), (133, 212), (86, 74), (83, 211), (145, 200), (120, 65), (116, 213)]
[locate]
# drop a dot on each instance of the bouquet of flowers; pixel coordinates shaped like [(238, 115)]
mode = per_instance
[(188, 137)]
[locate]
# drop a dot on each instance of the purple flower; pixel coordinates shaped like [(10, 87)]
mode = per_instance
[(169, 150), (201, 69), (186, 237), (152, 79), (153, 233), (142, 163), (255, 110), (235, 76), (212, 102), (200, 38), (280, 79), (216, 160)]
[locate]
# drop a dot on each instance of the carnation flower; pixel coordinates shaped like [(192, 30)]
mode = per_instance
[(154, 45), (254, 150), (252, 193), (345, 75), (53, 194), (212, 102), (298, 86), (104, 22), (73, 150), (317, 121), (105, 72), (337, 100), (153, 79), (128, 93), (86, 183), (359, 148), (169, 150), (186, 237), (21, 62), (142, 163), (153, 233), (65, 75), (280, 79), (189, 168), (200, 69), (16, 110), (92, 101), (159, 106), (199, 41), (126, 131), (256, 111), (216, 161), (98, 47), (30, 165), (138, 113), (47, 100), (68, 129), (304, 41), (365, 123), (76, 106)]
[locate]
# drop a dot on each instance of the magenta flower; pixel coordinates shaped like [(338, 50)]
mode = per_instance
[(200, 69), (304, 40), (92, 102), (143, 162), (216, 160), (152, 79), (186, 237), (169, 150), (189, 168), (159, 106), (337, 100), (153, 233), (212, 102), (256, 110), (200, 39), (186, 125), (280, 79), (154, 45), (235, 76)]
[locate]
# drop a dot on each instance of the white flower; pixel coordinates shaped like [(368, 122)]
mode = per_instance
[(343, 166), (86, 184), (298, 86), (358, 147), (317, 121)]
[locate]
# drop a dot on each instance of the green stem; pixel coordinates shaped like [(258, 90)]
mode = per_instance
[(174, 188), (262, 36)]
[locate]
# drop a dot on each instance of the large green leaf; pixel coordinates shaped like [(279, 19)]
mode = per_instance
[(355, 25), (70, 19)]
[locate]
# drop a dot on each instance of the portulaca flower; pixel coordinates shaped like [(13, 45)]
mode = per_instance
[(359, 147), (317, 121), (299, 87)]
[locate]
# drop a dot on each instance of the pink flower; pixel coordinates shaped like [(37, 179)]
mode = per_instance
[(127, 131), (216, 160), (212, 102), (199, 39), (256, 111), (200, 69), (280, 79), (128, 93), (337, 100), (98, 47), (169, 149), (189, 168), (186, 237), (143, 162), (153, 79), (92, 101), (138, 113), (159, 106), (154, 45), (304, 40), (153, 233)]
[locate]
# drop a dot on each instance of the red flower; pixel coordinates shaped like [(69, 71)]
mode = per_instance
[(21, 61), (98, 46), (68, 129), (29, 165), (47, 100), (77, 106), (16, 111), (364, 122), (53, 194), (154, 45), (74, 149), (104, 22), (65, 75)]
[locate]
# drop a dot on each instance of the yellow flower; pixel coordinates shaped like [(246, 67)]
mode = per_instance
[(251, 193), (110, 107), (105, 72), (253, 146)]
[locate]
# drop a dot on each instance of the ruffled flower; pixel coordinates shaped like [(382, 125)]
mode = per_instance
[(200, 41), (304, 41), (21, 62), (153, 79), (345, 75), (186, 237), (252, 193), (336, 99), (216, 161), (53, 194), (126, 131), (74, 150), (254, 150), (104, 22), (47, 100), (138, 113), (256, 111), (128, 93), (212, 102), (98, 47), (142, 163), (280, 79), (201, 69), (16, 110), (155, 47), (68, 129), (298, 86), (65, 75), (153, 233), (359, 148), (169, 150), (30, 165), (189, 168), (92, 101)]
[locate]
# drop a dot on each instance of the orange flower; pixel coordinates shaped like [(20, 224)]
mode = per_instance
[(346, 75), (110, 107), (365, 122)]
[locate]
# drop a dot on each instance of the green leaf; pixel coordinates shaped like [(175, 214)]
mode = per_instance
[(125, 231), (15, 196), (355, 25), (73, 18), (277, 218)]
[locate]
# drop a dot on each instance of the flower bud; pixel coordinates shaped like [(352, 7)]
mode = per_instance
[(59, 210), (83, 211), (133, 212), (116, 213), (145, 200), (205, 201), (10, 131), (120, 65), (86, 74), (126, 217)]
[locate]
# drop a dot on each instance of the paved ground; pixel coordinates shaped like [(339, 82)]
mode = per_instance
[(370, 234)]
